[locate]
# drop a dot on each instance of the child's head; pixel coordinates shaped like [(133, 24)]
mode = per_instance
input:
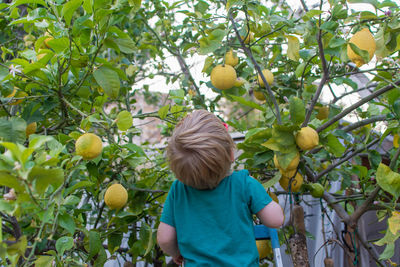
[(200, 150)]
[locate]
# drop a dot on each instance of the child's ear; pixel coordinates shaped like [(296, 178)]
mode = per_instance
[(232, 156)]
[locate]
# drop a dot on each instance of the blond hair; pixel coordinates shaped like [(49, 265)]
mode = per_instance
[(199, 150)]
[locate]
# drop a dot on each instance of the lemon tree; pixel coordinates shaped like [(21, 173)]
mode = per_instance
[(74, 76)]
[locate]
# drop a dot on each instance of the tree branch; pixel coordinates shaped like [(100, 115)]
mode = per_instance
[(358, 104), (258, 68), (358, 124)]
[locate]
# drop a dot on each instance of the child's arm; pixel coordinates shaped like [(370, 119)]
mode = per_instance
[(271, 215), (166, 238)]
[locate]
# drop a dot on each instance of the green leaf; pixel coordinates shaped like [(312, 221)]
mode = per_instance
[(95, 244), (273, 181), (67, 222), (39, 140), (163, 112), (396, 107), (108, 80), (59, 45), (388, 252), (44, 261), (334, 145), (375, 3), (11, 182), (245, 102), (126, 45), (114, 241), (42, 178), (293, 48), (212, 42), (64, 243), (284, 159), (336, 42), (362, 53), (330, 26), (312, 13), (87, 6), (207, 64), (297, 110), (124, 120), (69, 9), (388, 180), (24, 2), (85, 184), (13, 130)]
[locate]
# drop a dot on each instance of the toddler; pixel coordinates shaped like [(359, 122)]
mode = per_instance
[(207, 217)]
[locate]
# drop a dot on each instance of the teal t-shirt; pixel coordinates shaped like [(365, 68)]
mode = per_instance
[(215, 227)]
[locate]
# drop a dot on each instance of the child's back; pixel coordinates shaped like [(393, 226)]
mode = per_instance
[(207, 217)]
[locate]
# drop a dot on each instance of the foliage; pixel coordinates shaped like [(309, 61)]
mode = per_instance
[(76, 66)]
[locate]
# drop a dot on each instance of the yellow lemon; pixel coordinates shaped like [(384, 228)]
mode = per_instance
[(307, 138), (89, 146), (396, 140), (223, 77), (116, 196), (16, 94), (274, 197), (296, 183), (323, 113), (365, 41), (249, 38), (30, 129), (259, 95), (231, 58), (269, 77), (292, 165), (287, 173), (264, 248)]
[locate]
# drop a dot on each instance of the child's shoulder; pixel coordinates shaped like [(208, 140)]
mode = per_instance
[(240, 176)]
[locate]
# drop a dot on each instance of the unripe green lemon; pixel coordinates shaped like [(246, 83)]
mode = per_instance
[(317, 190)]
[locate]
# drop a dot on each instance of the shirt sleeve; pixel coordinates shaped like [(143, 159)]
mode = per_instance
[(257, 196), (167, 215)]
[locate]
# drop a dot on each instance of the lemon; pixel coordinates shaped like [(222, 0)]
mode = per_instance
[(287, 173), (259, 95), (365, 41), (30, 129), (292, 165), (223, 77), (296, 183), (16, 94), (231, 58), (116, 196), (264, 248), (274, 197), (239, 82), (307, 138), (323, 113), (89, 146), (396, 140), (269, 77), (249, 38), (317, 190)]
